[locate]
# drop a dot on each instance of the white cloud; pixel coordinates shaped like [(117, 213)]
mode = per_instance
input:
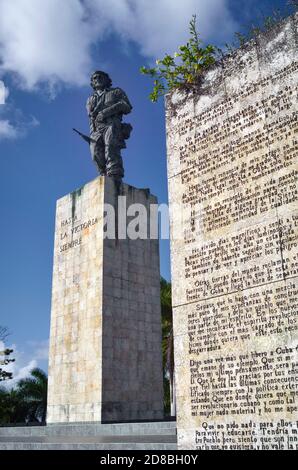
[(4, 92), (7, 130), (44, 40), (41, 349), (159, 26), (50, 40), (19, 127)]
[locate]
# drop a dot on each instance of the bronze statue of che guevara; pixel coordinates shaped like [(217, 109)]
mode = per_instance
[(106, 107)]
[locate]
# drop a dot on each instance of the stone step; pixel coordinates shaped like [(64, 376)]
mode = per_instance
[(124, 436), (92, 429), (87, 446)]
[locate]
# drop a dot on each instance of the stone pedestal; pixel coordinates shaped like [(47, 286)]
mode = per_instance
[(105, 343), (232, 168)]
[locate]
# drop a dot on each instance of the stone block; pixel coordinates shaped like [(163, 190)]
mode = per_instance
[(99, 318)]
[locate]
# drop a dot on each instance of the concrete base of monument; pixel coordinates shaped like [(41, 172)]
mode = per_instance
[(105, 359), (124, 436)]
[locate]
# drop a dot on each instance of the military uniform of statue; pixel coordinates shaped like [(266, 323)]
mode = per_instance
[(108, 133)]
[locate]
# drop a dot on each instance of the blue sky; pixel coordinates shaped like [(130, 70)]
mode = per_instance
[(46, 56)]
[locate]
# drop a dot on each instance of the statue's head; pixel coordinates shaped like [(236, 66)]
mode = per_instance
[(100, 80)]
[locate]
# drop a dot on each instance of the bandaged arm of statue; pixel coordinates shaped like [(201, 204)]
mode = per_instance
[(122, 107)]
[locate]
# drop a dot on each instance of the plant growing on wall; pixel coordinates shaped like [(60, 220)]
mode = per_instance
[(184, 69), (252, 31)]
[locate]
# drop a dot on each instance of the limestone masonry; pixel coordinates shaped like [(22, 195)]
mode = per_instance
[(105, 342), (232, 169)]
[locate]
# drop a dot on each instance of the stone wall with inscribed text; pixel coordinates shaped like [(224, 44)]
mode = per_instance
[(232, 170)]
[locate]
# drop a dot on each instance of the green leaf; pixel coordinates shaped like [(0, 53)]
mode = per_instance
[(192, 57)]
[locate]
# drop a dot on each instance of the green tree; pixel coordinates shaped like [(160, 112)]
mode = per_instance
[(5, 410), (167, 346), (12, 407), (26, 402), (33, 392)]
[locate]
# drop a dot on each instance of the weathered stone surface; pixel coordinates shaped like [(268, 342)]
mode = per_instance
[(232, 169), (105, 343)]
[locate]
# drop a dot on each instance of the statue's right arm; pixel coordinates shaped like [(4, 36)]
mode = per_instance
[(90, 111), (89, 106)]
